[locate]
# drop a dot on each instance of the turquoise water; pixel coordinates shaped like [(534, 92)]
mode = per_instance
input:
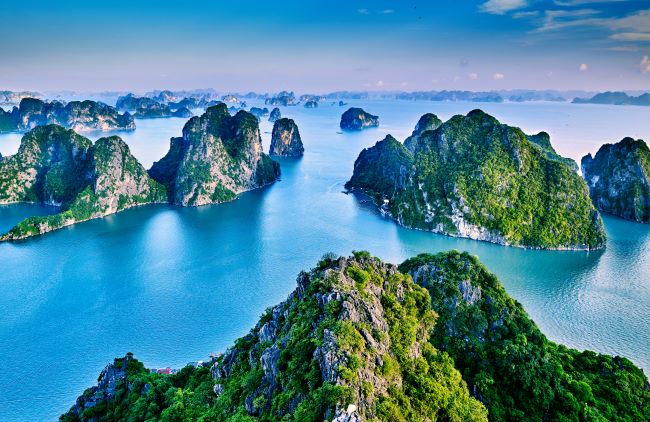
[(174, 284)]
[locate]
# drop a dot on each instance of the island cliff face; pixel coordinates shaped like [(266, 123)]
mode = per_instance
[(57, 166), (157, 111), (357, 119), (275, 115), (218, 157), (285, 139), (359, 341), (619, 179), (475, 177), (79, 116)]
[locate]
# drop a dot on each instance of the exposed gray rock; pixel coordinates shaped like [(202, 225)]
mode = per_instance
[(285, 139)]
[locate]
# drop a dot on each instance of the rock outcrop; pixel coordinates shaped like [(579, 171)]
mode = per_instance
[(218, 157), (508, 363), (477, 178), (130, 102), (157, 110), (275, 115), (79, 116), (283, 98), (285, 139), (428, 121), (619, 179), (259, 112), (311, 104), (357, 119), (357, 340), (59, 167)]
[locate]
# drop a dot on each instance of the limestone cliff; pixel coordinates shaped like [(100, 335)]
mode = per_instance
[(285, 139), (357, 119), (619, 179), (57, 166), (218, 157), (79, 116), (475, 177)]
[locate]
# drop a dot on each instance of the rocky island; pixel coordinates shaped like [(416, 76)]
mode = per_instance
[(619, 179), (57, 166), (131, 102), (157, 111), (217, 157), (359, 340), (80, 116), (477, 178), (275, 115), (357, 119), (615, 98), (285, 139)]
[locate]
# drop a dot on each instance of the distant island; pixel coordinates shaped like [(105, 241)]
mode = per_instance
[(437, 338), (615, 98), (80, 116), (157, 111), (477, 178), (619, 179), (356, 118), (218, 157)]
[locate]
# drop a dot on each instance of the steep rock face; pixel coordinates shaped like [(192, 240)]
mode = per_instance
[(130, 102), (285, 139), (79, 116), (57, 166), (619, 179), (507, 361), (283, 98), (349, 344), (475, 177), (52, 166), (428, 121), (359, 341), (218, 157), (386, 167), (259, 112), (357, 119), (157, 110), (275, 115)]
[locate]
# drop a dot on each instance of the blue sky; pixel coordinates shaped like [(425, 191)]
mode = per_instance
[(317, 46)]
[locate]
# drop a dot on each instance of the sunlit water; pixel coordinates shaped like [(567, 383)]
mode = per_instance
[(173, 284)]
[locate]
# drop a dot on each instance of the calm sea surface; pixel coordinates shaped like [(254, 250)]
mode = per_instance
[(174, 284)]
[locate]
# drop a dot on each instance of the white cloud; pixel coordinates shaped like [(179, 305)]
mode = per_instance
[(498, 76), (631, 36), (499, 7), (363, 11), (569, 3), (380, 83), (583, 67), (472, 76), (387, 11), (645, 64)]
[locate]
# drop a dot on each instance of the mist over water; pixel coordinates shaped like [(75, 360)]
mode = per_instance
[(173, 284)]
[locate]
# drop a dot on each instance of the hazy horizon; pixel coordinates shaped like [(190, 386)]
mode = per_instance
[(326, 46)]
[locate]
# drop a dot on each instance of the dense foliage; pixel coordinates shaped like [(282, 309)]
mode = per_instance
[(57, 166), (619, 179), (358, 338), (217, 157), (475, 177), (354, 332), (506, 360)]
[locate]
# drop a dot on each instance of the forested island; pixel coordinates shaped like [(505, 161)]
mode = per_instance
[(475, 177), (436, 338)]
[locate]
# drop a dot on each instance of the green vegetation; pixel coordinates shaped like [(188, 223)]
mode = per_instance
[(217, 157), (65, 168), (358, 335), (309, 359), (619, 179), (506, 360), (475, 177)]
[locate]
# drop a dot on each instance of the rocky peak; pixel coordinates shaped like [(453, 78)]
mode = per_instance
[(285, 139), (275, 115), (218, 157), (357, 119), (619, 179), (428, 121)]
